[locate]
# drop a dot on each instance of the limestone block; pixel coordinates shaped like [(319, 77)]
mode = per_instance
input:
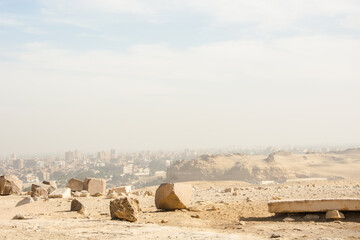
[(95, 185), (75, 184), (125, 208), (122, 189), (314, 205), (171, 196), (39, 192), (10, 184), (61, 193)]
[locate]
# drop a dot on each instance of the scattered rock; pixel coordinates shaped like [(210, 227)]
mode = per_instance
[(10, 184), (275, 235), (288, 219), (311, 217), (76, 194), (148, 193), (51, 183), (122, 189), (228, 190), (39, 192), (164, 221), (19, 217), (61, 193), (112, 195), (75, 185), (334, 215), (98, 194), (76, 205), (195, 216), (171, 196), (95, 185), (25, 201), (84, 193), (125, 208)]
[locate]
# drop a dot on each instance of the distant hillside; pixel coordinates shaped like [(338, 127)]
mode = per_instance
[(277, 166), (229, 167)]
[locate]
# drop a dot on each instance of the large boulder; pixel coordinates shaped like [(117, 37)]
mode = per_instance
[(41, 189), (10, 184), (125, 208), (75, 185), (171, 196), (39, 192), (95, 185)]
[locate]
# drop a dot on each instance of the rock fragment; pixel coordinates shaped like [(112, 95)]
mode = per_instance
[(61, 193), (334, 215), (311, 217), (171, 196), (125, 208), (76, 205), (75, 185), (10, 184)]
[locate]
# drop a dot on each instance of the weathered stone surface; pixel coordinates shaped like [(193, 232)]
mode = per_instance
[(171, 196), (314, 205), (125, 208), (75, 185), (10, 184), (51, 183), (25, 201), (122, 189), (95, 185), (39, 192), (334, 215), (61, 193), (76, 205)]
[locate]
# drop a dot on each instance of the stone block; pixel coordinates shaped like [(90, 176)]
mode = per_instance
[(61, 193), (171, 196), (95, 185), (314, 205), (75, 185)]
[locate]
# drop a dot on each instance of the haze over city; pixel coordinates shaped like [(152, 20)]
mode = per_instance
[(137, 75)]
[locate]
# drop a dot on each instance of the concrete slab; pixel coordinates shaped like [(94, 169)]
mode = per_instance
[(314, 205)]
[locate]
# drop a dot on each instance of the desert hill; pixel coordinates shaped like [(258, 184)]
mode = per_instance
[(278, 166)]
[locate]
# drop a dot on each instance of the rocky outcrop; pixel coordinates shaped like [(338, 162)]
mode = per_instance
[(10, 184), (125, 208), (171, 196)]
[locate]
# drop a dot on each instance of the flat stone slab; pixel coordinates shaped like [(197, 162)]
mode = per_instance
[(314, 205)]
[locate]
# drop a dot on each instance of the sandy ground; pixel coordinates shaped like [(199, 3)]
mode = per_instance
[(213, 214)]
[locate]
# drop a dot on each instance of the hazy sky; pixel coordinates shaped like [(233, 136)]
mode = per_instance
[(173, 74)]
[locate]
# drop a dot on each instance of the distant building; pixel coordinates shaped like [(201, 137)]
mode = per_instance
[(69, 156), (18, 164), (113, 154)]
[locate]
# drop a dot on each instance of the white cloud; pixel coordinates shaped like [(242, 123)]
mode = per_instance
[(6, 21)]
